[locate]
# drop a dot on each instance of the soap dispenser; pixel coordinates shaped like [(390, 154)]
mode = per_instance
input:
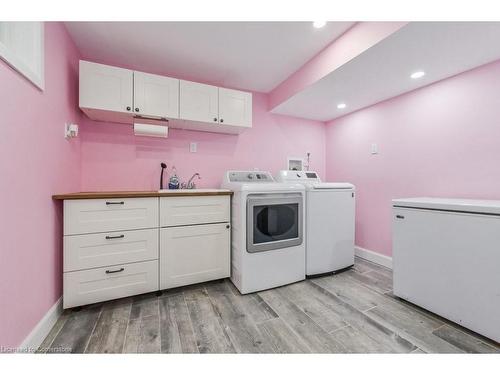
[(173, 182)]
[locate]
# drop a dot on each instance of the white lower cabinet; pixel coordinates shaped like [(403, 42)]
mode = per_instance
[(120, 247), (193, 254), (105, 283)]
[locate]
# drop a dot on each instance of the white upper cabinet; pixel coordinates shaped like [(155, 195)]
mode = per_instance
[(104, 87), (224, 108), (156, 96), (235, 107), (120, 95), (199, 102)]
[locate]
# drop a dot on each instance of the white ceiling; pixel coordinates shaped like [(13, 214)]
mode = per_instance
[(441, 49), (254, 56)]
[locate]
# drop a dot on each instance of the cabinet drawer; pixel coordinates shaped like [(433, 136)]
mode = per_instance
[(177, 211), (106, 215), (106, 249), (194, 254), (101, 284)]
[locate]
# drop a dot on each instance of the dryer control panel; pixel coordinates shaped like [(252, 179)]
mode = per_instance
[(249, 176)]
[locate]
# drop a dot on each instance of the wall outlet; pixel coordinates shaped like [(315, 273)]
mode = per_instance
[(374, 149), (193, 147), (70, 130)]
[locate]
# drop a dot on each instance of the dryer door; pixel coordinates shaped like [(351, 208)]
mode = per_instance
[(274, 221)]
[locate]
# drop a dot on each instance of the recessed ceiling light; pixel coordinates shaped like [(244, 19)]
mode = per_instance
[(319, 24), (341, 105), (418, 74)]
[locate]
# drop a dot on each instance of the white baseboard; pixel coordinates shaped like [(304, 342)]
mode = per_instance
[(373, 256), (42, 329)]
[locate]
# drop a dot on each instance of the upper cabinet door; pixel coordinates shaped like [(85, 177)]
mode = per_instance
[(199, 102), (155, 95), (105, 87), (235, 107)]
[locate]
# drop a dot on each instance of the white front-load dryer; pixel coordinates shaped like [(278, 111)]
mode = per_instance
[(268, 235)]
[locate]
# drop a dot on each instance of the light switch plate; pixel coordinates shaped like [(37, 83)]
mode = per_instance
[(374, 149), (193, 147)]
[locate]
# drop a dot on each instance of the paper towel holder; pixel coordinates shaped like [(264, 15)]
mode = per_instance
[(148, 130)]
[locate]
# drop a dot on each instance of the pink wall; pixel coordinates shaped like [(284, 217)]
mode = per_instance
[(439, 141), (113, 158), (36, 162)]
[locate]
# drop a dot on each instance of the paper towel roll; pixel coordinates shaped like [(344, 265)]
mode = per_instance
[(147, 130)]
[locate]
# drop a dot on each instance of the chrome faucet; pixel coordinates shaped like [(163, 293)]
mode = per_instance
[(190, 184)]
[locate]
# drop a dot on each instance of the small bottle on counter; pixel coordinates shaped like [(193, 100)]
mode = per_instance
[(173, 182)]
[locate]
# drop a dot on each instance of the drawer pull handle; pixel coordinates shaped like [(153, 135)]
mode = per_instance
[(109, 203), (116, 271), (113, 237), (400, 217)]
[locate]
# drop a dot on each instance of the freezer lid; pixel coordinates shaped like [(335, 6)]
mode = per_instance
[(450, 204), (332, 186)]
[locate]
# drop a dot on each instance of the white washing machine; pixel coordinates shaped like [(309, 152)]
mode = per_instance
[(329, 222), (267, 235)]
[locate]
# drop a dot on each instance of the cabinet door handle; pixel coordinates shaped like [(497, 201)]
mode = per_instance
[(110, 203), (228, 226), (215, 119), (221, 120), (116, 271), (113, 237), (128, 108), (400, 217), (137, 109)]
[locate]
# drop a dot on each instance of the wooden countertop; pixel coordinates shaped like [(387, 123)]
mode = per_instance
[(141, 194)]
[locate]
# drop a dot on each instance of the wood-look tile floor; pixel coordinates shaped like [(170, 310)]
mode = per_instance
[(351, 312)]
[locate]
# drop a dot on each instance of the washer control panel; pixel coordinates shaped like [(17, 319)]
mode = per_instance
[(309, 176), (249, 176)]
